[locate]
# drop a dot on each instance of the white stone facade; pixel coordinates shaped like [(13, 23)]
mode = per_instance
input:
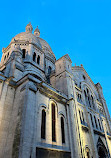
[(31, 81)]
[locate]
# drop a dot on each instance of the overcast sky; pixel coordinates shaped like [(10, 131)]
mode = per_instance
[(81, 28)]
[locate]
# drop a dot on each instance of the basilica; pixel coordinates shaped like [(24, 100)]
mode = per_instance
[(49, 108)]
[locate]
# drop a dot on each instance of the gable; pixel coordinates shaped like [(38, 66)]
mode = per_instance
[(67, 57)]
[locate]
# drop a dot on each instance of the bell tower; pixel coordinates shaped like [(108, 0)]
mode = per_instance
[(63, 71), (65, 83)]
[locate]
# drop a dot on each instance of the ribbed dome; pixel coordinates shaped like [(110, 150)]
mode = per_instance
[(28, 36)]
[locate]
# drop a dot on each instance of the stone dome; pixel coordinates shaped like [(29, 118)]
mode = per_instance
[(27, 37), (31, 38)]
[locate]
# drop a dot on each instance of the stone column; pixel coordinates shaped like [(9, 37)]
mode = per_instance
[(28, 121), (2, 103)]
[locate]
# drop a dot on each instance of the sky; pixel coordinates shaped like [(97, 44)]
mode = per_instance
[(80, 28)]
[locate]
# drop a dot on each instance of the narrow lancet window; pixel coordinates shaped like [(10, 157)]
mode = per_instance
[(92, 101), (43, 125), (85, 96), (53, 123), (49, 70), (38, 60), (91, 120), (62, 130), (34, 57), (23, 53)]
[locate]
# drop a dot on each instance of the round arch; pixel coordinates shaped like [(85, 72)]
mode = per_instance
[(43, 106), (85, 85), (90, 97), (52, 101), (61, 114)]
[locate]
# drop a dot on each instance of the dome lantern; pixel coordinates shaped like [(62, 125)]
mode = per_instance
[(37, 32), (29, 28)]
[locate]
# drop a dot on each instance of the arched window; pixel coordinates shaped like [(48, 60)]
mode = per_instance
[(87, 90), (95, 122), (23, 53), (5, 57), (43, 124), (53, 123), (49, 70), (38, 60), (85, 95), (62, 130), (8, 55), (92, 101), (84, 77), (89, 101), (91, 120), (34, 57)]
